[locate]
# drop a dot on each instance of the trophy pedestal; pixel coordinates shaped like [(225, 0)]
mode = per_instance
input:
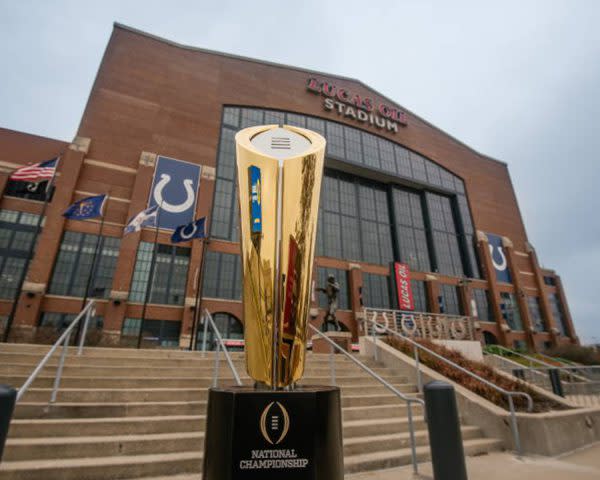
[(274, 435), (343, 339)]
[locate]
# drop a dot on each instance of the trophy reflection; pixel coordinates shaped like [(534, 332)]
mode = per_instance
[(279, 179)]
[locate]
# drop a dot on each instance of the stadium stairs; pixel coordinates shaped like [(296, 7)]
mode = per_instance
[(125, 414)]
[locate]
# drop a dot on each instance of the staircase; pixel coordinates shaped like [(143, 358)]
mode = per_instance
[(125, 414)]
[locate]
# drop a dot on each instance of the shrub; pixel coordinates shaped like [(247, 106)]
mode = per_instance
[(576, 353), (540, 402)]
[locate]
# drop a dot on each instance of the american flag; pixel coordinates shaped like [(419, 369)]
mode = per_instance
[(38, 172)]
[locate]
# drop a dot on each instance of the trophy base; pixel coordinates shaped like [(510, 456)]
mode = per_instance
[(273, 434)]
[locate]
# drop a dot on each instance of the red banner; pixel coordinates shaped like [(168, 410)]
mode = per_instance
[(403, 288)]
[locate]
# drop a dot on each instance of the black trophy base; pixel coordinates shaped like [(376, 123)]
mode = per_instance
[(274, 435)]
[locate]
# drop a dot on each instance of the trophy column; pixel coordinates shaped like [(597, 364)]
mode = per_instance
[(276, 428)]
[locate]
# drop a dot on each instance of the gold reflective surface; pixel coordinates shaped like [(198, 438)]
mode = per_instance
[(284, 301)]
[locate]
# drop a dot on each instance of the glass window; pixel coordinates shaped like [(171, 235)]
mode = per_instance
[(157, 333), (229, 327), (17, 234), (510, 311), (222, 277), (535, 312), (170, 274), (449, 303), (53, 324), (410, 229), (558, 313), (341, 276), (550, 281), (483, 306), (419, 295), (376, 291), (444, 235), (73, 265)]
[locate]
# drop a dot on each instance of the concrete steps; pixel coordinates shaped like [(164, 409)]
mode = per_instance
[(130, 414)]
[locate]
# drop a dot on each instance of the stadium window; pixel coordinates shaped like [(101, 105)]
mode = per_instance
[(510, 311), (74, 264), (535, 312), (229, 327), (558, 313), (482, 304), (222, 276), (419, 295), (17, 234), (376, 291), (158, 333), (170, 274), (448, 299)]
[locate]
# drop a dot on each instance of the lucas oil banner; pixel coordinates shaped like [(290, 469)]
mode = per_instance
[(403, 287), (498, 258), (174, 190)]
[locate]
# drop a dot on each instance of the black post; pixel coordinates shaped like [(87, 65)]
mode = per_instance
[(519, 373), (88, 283), (8, 397), (29, 257), (197, 300), (555, 381), (445, 439), (150, 279)]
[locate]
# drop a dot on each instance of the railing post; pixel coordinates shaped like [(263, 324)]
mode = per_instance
[(413, 446), (216, 371), (418, 367), (332, 364), (374, 341), (515, 427), (59, 370), (205, 320), (86, 322)]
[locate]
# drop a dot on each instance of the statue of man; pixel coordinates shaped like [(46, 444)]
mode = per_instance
[(331, 290)]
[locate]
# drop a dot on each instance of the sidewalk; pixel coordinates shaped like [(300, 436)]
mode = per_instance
[(581, 465)]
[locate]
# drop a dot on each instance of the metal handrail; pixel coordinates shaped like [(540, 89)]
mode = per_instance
[(509, 394), (386, 384), (546, 365), (64, 339), (208, 320)]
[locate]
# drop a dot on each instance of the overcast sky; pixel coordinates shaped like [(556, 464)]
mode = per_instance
[(516, 80)]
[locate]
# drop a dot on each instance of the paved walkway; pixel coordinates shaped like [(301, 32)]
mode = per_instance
[(581, 465)]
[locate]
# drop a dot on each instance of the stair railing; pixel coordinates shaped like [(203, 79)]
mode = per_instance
[(220, 345), (86, 314), (417, 347), (409, 400)]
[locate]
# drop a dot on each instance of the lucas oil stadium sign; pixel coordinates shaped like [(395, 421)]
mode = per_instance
[(360, 108)]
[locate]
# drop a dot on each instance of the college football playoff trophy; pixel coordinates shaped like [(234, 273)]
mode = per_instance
[(276, 428)]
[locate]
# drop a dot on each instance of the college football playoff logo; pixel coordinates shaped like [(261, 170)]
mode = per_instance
[(274, 423)]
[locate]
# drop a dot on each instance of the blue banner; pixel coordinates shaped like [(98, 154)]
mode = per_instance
[(499, 258), (174, 190), (255, 199), (196, 229), (89, 207)]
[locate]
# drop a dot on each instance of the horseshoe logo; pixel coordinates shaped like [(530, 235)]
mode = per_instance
[(187, 236), (498, 266), (165, 178)]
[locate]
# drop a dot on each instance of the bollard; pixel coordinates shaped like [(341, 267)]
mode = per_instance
[(445, 439), (519, 373), (8, 397), (554, 375)]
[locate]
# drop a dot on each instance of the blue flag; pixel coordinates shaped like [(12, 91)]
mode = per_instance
[(90, 207), (195, 229)]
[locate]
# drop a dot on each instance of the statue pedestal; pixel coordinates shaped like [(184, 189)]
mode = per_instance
[(343, 339)]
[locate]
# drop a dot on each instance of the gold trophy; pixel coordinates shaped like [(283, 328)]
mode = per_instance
[(280, 169)]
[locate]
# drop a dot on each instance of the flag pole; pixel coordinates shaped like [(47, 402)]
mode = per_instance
[(150, 281), (29, 256), (194, 332), (88, 283)]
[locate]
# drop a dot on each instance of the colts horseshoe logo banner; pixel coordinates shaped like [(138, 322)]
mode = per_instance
[(498, 258), (174, 190)]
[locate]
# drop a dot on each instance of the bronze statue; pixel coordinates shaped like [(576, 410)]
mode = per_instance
[(331, 290)]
